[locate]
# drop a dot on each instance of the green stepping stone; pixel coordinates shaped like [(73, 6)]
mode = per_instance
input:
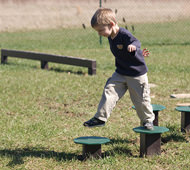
[(91, 140), (157, 129), (150, 140), (183, 108), (91, 145), (156, 107), (185, 118)]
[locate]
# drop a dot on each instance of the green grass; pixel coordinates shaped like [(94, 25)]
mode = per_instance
[(43, 111)]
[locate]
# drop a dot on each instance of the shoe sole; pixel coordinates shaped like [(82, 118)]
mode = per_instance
[(95, 126)]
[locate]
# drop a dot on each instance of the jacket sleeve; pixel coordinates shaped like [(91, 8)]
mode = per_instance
[(138, 54), (130, 39), (136, 43)]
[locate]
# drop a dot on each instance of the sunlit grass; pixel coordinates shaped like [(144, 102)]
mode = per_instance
[(43, 111)]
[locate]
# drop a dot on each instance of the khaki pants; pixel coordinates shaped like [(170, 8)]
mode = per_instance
[(116, 87)]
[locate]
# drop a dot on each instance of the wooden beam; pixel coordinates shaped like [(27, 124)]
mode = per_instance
[(45, 58)]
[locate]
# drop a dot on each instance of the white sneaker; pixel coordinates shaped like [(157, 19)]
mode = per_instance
[(148, 126)]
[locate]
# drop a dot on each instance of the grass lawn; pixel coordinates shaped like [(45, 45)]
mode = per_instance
[(43, 111)]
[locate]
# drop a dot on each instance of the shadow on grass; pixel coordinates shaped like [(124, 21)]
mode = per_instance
[(59, 70), (117, 149), (175, 135), (17, 155)]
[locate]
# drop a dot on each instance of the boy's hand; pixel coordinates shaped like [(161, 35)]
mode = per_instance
[(145, 52), (131, 48)]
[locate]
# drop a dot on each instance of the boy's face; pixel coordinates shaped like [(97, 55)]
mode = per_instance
[(103, 30)]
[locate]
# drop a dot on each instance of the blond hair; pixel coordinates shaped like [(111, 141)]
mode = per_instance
[(103, 16)]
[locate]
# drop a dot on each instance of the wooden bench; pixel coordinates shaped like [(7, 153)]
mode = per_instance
[(185, 118), (91, 146), (156, 108), (150, 140), (45, 58)]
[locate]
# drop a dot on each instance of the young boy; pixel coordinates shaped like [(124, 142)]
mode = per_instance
[(130, 73)]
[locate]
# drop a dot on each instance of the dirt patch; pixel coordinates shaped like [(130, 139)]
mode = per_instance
[(42, 14)]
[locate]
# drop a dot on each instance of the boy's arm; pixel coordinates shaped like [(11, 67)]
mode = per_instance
[(134, 44), (131, 40), (132, 48)]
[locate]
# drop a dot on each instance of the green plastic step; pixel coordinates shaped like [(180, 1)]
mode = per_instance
[(91, 140), (183, 108), (156, 107), (157, 129)]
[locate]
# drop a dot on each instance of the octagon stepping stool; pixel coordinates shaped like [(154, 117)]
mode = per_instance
[(150, 140), (185, 118), (91, 146), (156, 108)]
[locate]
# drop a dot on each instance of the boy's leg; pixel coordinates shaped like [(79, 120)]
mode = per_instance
[(140, 95), (114, 89)]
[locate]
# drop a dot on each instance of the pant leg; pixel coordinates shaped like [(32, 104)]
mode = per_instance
[(140, 95), (114, 89)]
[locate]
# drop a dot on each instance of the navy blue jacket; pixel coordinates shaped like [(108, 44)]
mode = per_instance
[(127, 63)]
